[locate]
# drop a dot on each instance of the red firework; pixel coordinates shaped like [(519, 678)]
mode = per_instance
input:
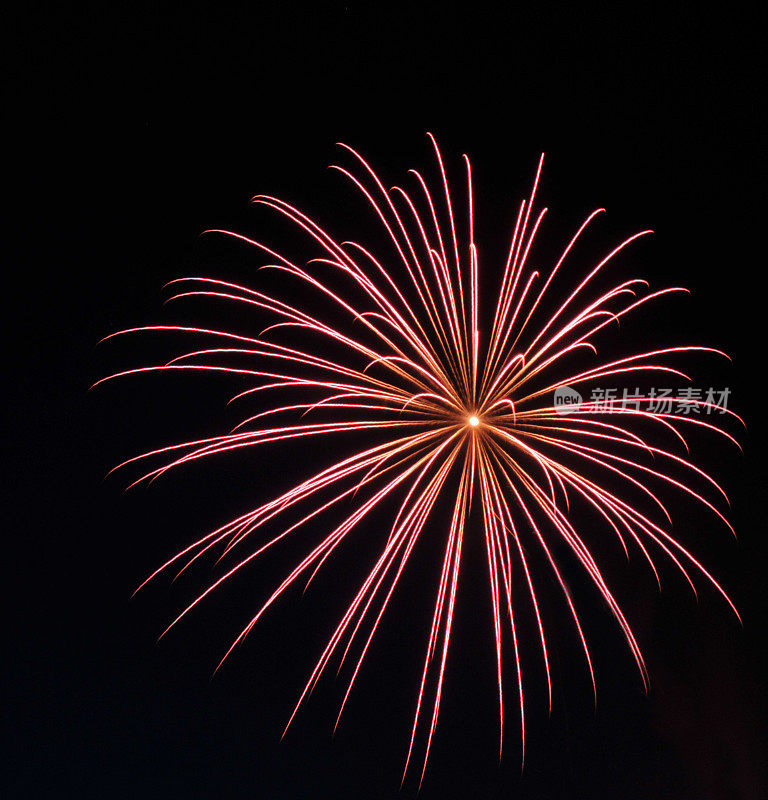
[(446, 412)]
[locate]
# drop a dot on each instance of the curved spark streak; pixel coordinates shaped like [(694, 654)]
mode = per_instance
[(447, 414)]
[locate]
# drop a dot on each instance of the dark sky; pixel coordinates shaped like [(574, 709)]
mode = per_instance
[(132, 130)]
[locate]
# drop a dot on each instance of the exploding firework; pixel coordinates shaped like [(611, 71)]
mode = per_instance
[(389, 352)]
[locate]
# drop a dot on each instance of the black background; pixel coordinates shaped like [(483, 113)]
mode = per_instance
[(132, 130)]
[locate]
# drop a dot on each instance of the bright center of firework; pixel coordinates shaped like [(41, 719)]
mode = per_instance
[(474, 421)]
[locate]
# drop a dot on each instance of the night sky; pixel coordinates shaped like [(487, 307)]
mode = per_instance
[(134, 130)]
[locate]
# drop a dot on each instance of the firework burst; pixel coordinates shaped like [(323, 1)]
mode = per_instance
[(447, 415)]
